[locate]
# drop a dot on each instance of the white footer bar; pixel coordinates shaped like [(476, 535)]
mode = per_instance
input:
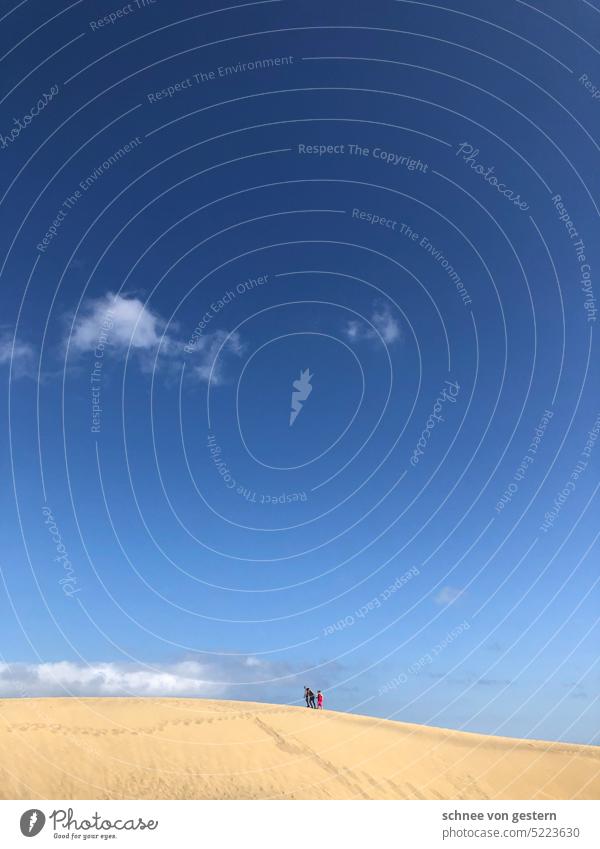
[(301, 825)]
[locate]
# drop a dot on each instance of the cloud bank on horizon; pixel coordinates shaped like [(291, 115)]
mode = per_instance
[(234, 677)]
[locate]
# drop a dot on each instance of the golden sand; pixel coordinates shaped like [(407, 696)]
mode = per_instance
[(201, 749)]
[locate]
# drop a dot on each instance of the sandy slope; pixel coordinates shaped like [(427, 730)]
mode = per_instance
[(191, 748)]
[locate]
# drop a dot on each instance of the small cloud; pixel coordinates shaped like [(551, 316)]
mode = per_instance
[(448, 595), (116, 322), (208, 355), (353, 330), (385, 327), (493, 682), (386, 324), (577, 690), (16, 353)]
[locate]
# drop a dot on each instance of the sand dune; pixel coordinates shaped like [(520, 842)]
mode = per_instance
[(200, 749)]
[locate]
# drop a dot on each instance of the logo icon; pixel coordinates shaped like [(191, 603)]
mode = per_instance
[(32, 822), (303, 390)]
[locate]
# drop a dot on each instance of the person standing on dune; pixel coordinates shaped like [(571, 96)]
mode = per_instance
[(307, 696), (311, 699), (319, 700)]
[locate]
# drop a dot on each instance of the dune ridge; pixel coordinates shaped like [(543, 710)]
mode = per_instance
[(171, 748)]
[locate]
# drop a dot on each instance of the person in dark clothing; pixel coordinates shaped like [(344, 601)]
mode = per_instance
[(306, 696), (311, 699)]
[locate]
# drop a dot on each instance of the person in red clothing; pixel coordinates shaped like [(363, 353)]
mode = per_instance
[(319, 700)]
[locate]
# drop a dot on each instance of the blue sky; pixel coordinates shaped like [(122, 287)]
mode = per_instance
[(400, 198)]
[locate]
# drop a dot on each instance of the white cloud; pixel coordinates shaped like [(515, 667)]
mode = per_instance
[(116, 321), (105, 679), (353, 330), (387, 325), (447, 595), (19, 355), (384, 322), (225, 676), (205, 351)]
